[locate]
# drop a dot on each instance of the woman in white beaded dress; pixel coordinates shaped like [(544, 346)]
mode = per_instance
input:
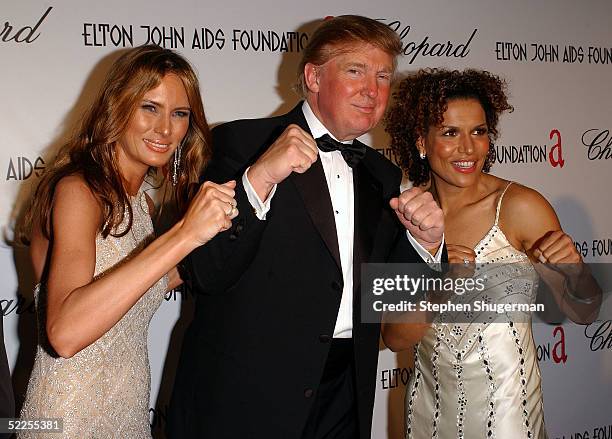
[(474, 379), (102, 272)]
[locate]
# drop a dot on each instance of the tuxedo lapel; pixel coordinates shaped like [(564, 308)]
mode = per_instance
[(296, 116), (368, 208), (314, 192)]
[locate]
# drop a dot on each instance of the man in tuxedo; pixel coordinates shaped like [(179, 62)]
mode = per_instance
[(276, 348)]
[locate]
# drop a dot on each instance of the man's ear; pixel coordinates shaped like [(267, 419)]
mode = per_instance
[(311, 77)]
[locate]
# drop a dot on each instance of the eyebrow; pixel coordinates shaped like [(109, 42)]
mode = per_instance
[(363, 66), (355, 64), (159, 104), (484, 124)]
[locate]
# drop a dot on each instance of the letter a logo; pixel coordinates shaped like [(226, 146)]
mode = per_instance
[(558, 352), (558, 161)]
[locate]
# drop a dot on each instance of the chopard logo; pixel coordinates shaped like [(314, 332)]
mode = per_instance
[(24, 34), (18, 306), (426, 47), (598, 142), (600, 334)]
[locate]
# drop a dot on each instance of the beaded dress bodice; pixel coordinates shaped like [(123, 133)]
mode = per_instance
[(475, 376), (103, 390)]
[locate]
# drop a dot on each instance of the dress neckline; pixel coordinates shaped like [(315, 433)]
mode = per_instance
[(487, 238), (482, 246), (138, 193)]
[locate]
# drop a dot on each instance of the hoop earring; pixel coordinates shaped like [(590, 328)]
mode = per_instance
[(422, 155), (176, 164)]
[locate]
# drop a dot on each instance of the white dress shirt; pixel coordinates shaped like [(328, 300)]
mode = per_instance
[(339, 177)]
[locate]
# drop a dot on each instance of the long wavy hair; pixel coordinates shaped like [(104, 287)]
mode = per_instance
[(92, 150), (420, 102)]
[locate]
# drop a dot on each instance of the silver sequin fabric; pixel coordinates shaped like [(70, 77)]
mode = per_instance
[(103, 390), (481, 379)]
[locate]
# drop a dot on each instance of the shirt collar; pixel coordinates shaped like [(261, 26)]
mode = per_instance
[(316, 126)]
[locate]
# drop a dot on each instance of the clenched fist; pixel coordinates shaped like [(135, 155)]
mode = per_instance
[(557, 250), (294, 151), (421, 215), (557, 247), (210, 212)]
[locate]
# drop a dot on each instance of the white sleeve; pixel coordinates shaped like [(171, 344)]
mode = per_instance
[(424, 254), (261, 208)]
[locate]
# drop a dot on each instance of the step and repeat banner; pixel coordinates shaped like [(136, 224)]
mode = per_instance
[(555, 54)]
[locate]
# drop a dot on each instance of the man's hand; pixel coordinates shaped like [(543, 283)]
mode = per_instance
[(294, 151), (422, 217)]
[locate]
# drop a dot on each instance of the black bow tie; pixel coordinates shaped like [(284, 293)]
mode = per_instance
[(352, 153)]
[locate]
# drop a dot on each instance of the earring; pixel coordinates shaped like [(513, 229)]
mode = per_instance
[(176, 164), (420, 148)]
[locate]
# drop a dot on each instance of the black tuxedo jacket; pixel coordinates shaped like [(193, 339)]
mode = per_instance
[(268, 294)]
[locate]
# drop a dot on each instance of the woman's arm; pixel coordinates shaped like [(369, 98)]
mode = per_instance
[(402, 336), (79, 309), (174, 277), (532, 223)]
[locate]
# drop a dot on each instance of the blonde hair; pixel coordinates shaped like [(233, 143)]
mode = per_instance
[(336, 35)]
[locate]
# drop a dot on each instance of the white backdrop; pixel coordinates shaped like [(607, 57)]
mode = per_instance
[(557, 56)]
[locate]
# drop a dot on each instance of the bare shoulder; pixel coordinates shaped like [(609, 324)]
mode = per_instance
[(523, 202), (74, 185), (73, 197), (526, 215)]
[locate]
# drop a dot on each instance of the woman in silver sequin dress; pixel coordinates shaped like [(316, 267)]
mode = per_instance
[(477, 378), (102, 273)]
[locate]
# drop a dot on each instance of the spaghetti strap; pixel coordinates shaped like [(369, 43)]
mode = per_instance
[(500, 201)]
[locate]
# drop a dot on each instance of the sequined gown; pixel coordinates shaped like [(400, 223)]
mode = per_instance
[(103, 390), (481, 380)]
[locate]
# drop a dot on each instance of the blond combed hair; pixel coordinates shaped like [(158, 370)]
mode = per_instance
[(340, 34)]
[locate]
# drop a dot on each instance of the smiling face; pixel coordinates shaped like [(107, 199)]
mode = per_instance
[(349, 93), (457, 149), (155, 129)]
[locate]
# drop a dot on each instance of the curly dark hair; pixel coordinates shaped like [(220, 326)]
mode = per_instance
[(420, 102)]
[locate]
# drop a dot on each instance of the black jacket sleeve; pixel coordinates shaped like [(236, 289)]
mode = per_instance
[(217, 265)]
